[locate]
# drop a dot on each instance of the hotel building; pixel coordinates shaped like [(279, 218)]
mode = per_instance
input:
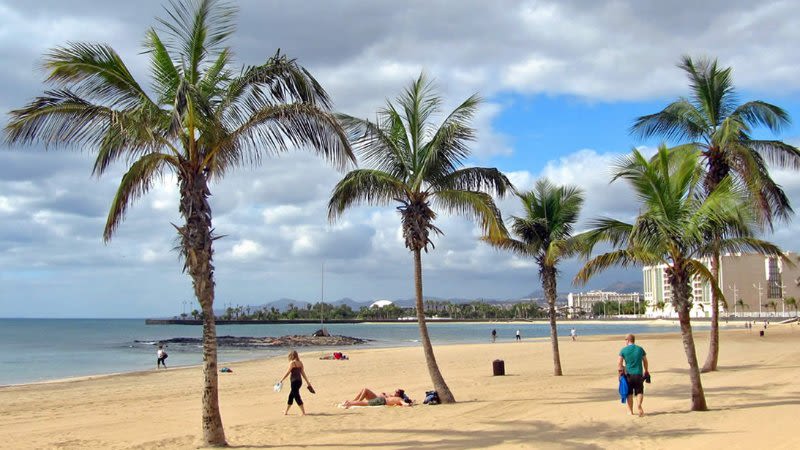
[(754, 285)]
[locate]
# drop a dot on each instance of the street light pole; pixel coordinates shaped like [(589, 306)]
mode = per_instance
[(759, 298)]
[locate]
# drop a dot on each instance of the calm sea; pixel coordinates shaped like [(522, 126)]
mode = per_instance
[(33, 350)]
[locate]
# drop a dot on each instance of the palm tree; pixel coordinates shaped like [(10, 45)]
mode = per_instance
[(741, 304), (200, 120), (417, 165), (791, 301), (772, 304), (545, 235), (661, 305), (712, 121), (672, 229)]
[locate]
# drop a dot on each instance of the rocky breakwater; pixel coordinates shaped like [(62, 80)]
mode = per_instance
[(267, 341)]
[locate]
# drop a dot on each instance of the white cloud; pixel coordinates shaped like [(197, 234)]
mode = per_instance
[(246, 250)]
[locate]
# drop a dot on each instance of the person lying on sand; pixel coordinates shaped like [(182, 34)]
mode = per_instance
[(366, 397)]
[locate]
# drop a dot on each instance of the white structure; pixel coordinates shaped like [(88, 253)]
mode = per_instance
[(381, 303), (584, 301), (754, 285)]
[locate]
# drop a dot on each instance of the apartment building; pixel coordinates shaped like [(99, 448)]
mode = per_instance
[(583, 302), (754, 285)]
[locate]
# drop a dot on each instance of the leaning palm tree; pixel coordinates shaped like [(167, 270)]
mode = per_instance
[(420, 167), (199, 120), (671, 230), (544, 234), (712, 121)]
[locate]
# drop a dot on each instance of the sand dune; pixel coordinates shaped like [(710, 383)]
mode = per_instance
[(754, 401)]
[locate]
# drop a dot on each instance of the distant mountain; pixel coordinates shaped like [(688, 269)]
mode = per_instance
[(625, 287), (354, 305), (283, 304)]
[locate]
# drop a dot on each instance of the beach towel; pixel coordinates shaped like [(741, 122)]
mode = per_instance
[(623, 388)]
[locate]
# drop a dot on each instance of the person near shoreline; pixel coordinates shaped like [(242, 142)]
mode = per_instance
[(632, 363), (296, 374), (367, 397), (519, 337), (574, 334), (494, 335), (161, 357)]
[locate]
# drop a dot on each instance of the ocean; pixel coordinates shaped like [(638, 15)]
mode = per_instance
[(36, 350)]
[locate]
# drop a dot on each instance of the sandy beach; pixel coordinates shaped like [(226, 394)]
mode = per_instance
[(753, 399)]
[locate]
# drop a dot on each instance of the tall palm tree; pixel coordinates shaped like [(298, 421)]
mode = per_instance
[(712, 121), (791, 301), (199, 120), (545, 235), (420, 167), (672, 229)]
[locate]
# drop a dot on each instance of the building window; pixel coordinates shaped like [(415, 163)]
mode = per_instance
[(774, 279)]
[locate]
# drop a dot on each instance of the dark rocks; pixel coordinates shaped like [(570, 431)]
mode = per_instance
[(283, 341)]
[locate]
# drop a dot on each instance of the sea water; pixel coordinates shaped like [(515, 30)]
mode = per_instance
[(34, 350)]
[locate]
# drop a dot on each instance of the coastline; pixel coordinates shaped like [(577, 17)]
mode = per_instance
[(527, 407)]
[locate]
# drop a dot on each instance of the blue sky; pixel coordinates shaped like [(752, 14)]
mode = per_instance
[(562, 82)]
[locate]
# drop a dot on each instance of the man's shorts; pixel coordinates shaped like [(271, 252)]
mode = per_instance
[(635, 384)]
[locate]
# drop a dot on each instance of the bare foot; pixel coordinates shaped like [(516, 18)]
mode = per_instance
[(641, 412)]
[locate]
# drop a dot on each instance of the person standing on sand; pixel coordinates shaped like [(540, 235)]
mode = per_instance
[(297, 374), (574, 334), (494, 335), (161, 357), (519, 338), (632, 360)]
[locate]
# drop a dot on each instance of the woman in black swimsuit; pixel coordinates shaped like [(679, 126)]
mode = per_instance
[(296, 374)]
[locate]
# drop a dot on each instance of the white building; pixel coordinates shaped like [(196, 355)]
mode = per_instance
[(585, 301), (754, 285)]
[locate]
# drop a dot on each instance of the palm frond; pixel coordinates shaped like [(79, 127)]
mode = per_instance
[(376, 148), (95, 71), (277, 129), (599, 263), (484, 179), (448, 147), (198, 29), (364, 186), (134, 184), (473, 205), (164, 72)]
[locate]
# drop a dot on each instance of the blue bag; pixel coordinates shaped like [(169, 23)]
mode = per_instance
[(623, 388)]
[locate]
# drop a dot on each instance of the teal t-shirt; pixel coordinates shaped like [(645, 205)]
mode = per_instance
[(633, 354)]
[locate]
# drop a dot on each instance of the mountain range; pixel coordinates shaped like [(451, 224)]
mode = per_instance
[(537, 296)]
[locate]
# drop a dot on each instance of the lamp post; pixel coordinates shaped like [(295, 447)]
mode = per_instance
[(734, 299), (759, 297), (184, 308)]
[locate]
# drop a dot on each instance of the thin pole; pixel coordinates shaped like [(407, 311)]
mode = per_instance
[(322, 297)]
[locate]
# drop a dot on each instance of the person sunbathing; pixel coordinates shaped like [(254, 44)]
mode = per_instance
[(366, 397)]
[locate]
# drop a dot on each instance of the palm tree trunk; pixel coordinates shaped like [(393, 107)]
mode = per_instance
[(550, 292), (439, 385), (680, 289), (713, 343), (197, 240)]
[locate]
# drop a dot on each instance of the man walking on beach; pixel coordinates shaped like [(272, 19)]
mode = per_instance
[(519, 338), (632, 363)]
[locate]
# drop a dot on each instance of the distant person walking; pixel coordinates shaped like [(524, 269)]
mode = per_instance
[(632, 363), (494, 335), (574, 334), (161, 357), (296, 374), (519, 338)]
